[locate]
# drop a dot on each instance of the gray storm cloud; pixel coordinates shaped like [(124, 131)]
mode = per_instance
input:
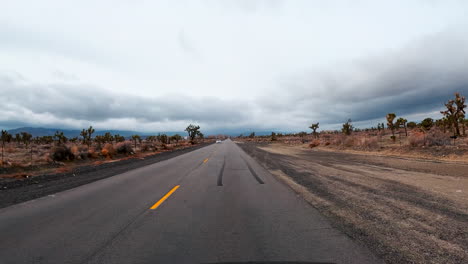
[(416, 79), (92, 104)]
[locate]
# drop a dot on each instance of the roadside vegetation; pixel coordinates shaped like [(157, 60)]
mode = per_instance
[(444, 138), (23, 155)]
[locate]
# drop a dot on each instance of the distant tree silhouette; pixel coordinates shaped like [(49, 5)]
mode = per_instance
[(390, 117), (347, 128), (136, 138), (6, 138), (60, 138), (314, 128), (193, 131), (401, 122), (273, 136), (455, 112)]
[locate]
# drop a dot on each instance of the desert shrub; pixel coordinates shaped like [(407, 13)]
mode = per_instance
[(62, 153), (92, 154), (437, 138), (338, 140), (124, 148), (314, 143), (327, 143), (167, 146), (108, 150), (145, 148), (369, 142), (83, 155), (75, 150), (349, 142), (416, 139)]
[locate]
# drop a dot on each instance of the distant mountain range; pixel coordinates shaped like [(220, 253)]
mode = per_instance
[(70, 133)]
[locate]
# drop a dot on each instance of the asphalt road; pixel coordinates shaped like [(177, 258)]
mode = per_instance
[(226, 208)]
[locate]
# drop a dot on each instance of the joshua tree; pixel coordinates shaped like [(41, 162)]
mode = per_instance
[(18, 139), (47, 139), (6, 138), (99, 140), (26, 138), (90, 132), (455, 112), (201, 135), (60, 137), (87, 135), (465, 124), (193, 131), (347, 128), (136, 138), (108, 137), (162, 138), (401, 122), (176, 137), (119, 138), (252, 135), (427, 124), (411, 125), (273, 136), (390, 117), (84, 134), (314, 128)]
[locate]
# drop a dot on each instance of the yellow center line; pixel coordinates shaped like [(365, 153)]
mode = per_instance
[(156, 205), (206, 160)]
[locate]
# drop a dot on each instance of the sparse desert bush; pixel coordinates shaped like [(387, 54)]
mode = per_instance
[(369, 142), (167, 146), (314, 143), (10, 150), (75, 150), (437, 138), (337, 140), (62, 153), (327, 143), (416, 139), (108, 150), (92, 154), (124, 148), (146, 147), (349, 142)]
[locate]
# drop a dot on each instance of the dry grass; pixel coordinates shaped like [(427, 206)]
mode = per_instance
[(433, 144), (17, 158)]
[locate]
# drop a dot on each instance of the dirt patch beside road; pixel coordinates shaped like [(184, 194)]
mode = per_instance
[(406, 211)]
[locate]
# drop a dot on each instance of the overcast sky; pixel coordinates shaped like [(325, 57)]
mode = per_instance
[(234, 65)]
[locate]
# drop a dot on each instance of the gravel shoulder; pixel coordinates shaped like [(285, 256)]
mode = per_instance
[(21, 190), (405, 210)]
